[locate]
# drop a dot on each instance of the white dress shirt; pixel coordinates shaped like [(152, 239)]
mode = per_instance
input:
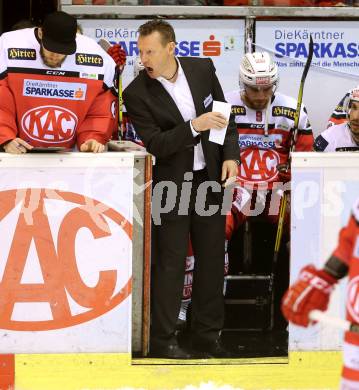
[(182, 96)]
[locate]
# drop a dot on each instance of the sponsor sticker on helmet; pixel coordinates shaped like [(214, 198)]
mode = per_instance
[(263, 80), (353, 298)]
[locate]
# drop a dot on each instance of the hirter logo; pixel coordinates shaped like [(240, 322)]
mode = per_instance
[(50, 124), (89, 59), (21, 54), (59, 268)]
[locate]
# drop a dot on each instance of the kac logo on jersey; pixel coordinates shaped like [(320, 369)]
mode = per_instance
[(89, 59), (54, 89), (259, 165), (21, 54), (49, 124)]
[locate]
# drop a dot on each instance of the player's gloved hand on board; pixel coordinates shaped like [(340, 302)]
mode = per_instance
[(310, 292)]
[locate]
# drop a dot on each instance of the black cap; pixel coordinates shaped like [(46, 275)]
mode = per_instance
[(59, 33)]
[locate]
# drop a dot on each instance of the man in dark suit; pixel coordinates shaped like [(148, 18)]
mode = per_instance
[(170, 105)]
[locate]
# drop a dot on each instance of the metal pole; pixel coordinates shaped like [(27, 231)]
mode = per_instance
[(249, 34), (1, 17)]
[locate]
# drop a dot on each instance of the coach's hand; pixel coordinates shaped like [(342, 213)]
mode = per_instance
[(229, 172), (209, 120)]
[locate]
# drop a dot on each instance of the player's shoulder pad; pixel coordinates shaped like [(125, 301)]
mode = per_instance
[(88, 48), (88, 45)]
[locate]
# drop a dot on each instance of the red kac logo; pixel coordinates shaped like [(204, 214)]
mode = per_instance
[(259, 165), (49, 124), (62, 278)]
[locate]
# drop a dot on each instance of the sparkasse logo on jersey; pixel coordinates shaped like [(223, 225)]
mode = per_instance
[(49, 124), (69, 288), (89, 59), (54, 89), (21, 54)]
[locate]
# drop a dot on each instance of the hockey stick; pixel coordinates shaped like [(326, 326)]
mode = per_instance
[(120, 105), (283, 203), (320, 316), (106, 45)]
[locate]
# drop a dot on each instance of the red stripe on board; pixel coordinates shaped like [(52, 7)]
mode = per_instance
[(7, 372)]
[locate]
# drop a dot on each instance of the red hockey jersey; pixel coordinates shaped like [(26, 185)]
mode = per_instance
[(347, 251), (260, 154), (55, 106)]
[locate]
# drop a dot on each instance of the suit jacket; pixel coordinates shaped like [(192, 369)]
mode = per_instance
[(163, 130)]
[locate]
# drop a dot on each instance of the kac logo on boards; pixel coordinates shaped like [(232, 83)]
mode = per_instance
[(64, 280)]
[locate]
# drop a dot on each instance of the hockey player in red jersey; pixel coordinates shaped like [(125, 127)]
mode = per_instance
[(265, 123), (345, 134), (313, 288), (56, 88)]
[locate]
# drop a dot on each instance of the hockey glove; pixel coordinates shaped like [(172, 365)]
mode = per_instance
[(118, 55), (311, 291), (283, 173)]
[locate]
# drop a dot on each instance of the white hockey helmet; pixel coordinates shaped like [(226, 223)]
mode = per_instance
[(258, 70), (137, 67), (352, 96)]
